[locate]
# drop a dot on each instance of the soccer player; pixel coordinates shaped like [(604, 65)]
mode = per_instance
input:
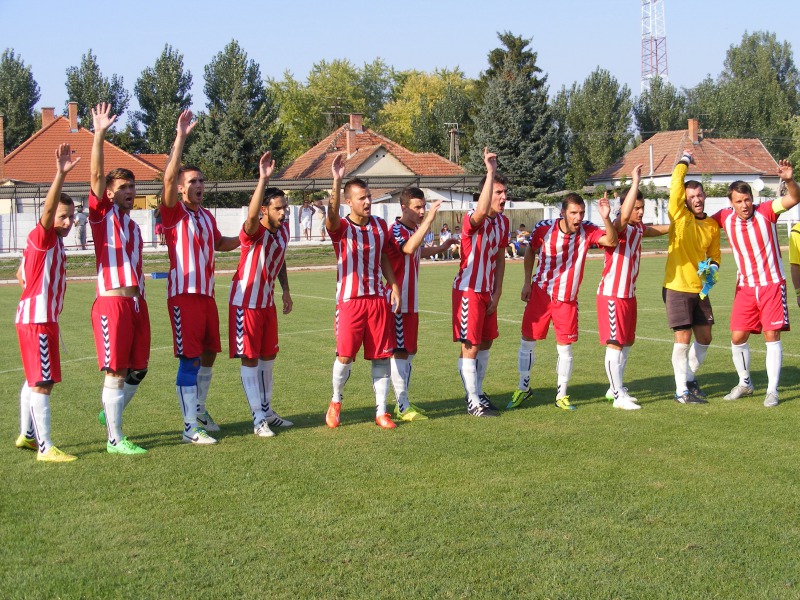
[(405, 251), (191, 235), (362, 312), (759, 303), (552, 292), (693, 238), (252, 317), (616, 295), (44, 280), (794, 259), (479, 284), (120, 320)]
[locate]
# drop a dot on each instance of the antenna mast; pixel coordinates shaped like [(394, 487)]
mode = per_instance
[(654, 42)]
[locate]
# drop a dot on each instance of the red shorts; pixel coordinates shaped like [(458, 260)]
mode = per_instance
[(38, 346), (121, 333), (616, 320), (195, 324), (252, 332), (541, 309), (403, 332), (757, 309), (470, 321), (363, 321)]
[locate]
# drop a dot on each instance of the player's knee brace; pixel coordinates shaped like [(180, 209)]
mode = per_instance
[(135, 376), (113, 383), (187, 371)]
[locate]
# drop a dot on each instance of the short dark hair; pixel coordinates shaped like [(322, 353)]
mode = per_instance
[(355, 182), (125, 174), (692, 183), (740, 186), (188, 169), (498, 178), (411, 193), (65, 199), (624, 192), (572, 198), (270, 193)]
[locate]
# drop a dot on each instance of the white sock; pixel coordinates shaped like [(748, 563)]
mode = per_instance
[(252, 392), (128, 391), (187, 398), (341, 373), (265, 368), (468, 369), (25, 421), (113, 404), (381, 377), (400, 369), (741, 360), (774, 361), (626, 350), (203, 384), (482, 365), (40, 415), (563, 369), (680, 366), (613, 364), (525, 358), (697, 355)]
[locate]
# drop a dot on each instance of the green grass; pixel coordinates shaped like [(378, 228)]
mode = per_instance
[(671, 501)]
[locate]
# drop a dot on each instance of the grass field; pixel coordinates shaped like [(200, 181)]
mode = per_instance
[(670, 501)]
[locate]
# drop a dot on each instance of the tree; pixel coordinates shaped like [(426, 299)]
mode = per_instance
[(19, 93), (661, 107), (163, 92), (515, 52), (87, 86), (241, 122), (596, 119)]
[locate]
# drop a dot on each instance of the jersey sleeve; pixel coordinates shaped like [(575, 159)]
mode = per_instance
[(713, 251), (170, 216), (466, 225), (98, 207), (507, 231), (677, 191), (336, 236), (794, 245), (593, 233), (41, 238), (537, 238)]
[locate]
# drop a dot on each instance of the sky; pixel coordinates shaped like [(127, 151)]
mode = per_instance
[(571, 37)]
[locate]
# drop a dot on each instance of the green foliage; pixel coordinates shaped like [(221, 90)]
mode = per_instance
[(661, 107), (163, 92), (19, 93), (87, 86), (794, 125)]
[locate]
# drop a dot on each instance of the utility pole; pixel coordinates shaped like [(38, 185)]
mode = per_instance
[(654, 42), (455, 145)]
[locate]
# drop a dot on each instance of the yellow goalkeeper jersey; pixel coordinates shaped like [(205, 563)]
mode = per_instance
[(691, 240)]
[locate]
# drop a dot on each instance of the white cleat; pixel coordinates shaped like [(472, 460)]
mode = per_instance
[(206, 422), (740, 391), (625, 402), (276, 420), (771, 399), (198, 436), (263, 430)]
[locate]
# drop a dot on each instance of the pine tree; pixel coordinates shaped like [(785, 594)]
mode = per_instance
[(87, 86)]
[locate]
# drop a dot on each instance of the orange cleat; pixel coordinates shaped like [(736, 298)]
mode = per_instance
[(385, 421), (332, 416)]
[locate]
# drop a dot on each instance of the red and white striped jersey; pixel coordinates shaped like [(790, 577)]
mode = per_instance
[(117, 246), (190, 238), (405, 266), (621, 264), (261, 259), (562, 257), (358, 253), (479, 249), (44, 277), (755, 245)]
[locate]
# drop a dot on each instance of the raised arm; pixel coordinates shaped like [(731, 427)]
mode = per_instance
[(786, 173), (610, 239), (332, 219), (656, 230), (416, 240), (485, 199), (102, 119), (626, 208), (172, 170), (265, 168), (677, 188), (64, 164)]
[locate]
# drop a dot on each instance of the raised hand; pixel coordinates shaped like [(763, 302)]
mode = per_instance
[(604, 207), (785, 170), (266, 165), (432, 211), (102, 118), (185, 123), (338, 167), (490, 160), (64, 161), (636, 175), (690, 155)]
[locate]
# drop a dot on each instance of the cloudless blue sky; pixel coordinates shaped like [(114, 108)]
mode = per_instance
[(571, 37)]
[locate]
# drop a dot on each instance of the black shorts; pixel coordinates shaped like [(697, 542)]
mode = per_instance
[(686, 309)]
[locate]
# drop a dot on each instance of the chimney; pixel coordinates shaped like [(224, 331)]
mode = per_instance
[(2, 150), (73, 117), (354, 128), (48, 116), (695, 133)]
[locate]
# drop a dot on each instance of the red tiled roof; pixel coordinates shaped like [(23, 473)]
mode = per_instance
[(34, 160), (316, 163), (157, 161), (713, 156)]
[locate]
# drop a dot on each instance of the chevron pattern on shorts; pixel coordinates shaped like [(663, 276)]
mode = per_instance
[(785, 306), (176, 319), (240, 331), (44, 356), (463, 318), (106, 341), (612, 319), (399, 331)]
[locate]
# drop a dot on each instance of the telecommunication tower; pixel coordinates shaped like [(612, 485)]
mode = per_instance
[(654, 42)]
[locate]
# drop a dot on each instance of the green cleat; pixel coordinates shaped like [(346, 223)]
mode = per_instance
[(518, 398), (411, 414), (26, 443), (124, 446), (101, 418), (564, 403)]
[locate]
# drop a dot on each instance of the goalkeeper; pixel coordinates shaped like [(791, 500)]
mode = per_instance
[(693, 249)]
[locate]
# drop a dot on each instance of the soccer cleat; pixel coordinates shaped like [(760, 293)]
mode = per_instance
[(276, 420), (26, 442), (771, 399), (124, 446), (486, 403), (384, 421), (479, 410), (411, 414), (565, 404), (206, 422), (54, 455), (694, 389), (740, 391), (610, 395), (625, 402), (688, 398), (518, 398), (332, 416), (199, 436), (263, 430), (101, 418), (416, 408)]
